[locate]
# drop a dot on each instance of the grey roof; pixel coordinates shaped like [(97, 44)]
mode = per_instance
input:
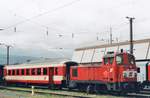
[(114, 44)]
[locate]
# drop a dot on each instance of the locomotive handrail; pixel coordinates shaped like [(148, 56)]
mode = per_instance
[(142, 60)]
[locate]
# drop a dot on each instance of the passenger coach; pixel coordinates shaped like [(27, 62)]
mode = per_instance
[(52, 74)]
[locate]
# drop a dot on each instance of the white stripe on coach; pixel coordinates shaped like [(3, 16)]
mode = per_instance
[(58, 78), (43, 78)]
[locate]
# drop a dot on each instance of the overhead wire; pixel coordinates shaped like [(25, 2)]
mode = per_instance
[(47, 12)]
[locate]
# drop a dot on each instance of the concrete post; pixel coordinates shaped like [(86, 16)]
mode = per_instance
[(32, 90)]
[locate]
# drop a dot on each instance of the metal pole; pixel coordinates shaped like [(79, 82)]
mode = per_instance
[(7, 55), (111, 35), (131, 33)]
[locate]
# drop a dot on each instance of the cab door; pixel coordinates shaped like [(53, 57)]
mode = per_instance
[(111, 69)]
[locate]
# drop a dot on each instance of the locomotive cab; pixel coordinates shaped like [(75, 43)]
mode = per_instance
[(122, 71), (127, 67)]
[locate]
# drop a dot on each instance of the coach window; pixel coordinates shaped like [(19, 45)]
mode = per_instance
[(39, 71), (22, 71), (13, 72), (17, 71), (27, 71), (9, 72), (44, 71), (33, 71), (74, 72)]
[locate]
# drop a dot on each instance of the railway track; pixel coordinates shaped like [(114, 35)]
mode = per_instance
[(54, 92), (76, 94)]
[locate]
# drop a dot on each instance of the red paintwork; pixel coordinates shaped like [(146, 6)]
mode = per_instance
[(28, 81), (1, 74), (57, 82), (111, 73), (149, 72)]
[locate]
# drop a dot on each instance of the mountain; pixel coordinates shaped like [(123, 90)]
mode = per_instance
[(14, 59)]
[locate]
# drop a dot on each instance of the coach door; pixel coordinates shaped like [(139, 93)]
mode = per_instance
[(51, 74)]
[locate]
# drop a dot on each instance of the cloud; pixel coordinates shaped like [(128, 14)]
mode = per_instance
[(86, 19)]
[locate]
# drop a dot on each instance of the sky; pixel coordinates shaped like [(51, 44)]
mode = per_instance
[(54, 28)]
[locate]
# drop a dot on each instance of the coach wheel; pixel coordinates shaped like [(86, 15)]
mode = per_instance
[(59, 87), (51, 86), (122, 93), (5, 84)]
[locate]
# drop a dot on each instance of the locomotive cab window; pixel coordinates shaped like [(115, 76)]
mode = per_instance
[(108, 60), (119, 59), (74, 72), (111, 60), (131, 59), (105, 60)]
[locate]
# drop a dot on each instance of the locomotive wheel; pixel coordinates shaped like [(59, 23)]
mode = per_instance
[(51, 86), (5, 84), (97, 89), (100, 89), (59, 87), (81, 87)]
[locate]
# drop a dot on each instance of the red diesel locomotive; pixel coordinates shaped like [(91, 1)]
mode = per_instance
[(117, 72)]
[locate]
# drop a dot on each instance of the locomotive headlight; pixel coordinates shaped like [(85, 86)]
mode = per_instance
[(135, 74)]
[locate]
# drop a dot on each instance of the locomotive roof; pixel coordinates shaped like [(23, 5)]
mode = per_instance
[(109, 55), (113, 54)]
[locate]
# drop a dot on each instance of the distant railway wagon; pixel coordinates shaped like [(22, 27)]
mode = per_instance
[(117, 72), (143, 77), (1, 73), (35, 74)]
